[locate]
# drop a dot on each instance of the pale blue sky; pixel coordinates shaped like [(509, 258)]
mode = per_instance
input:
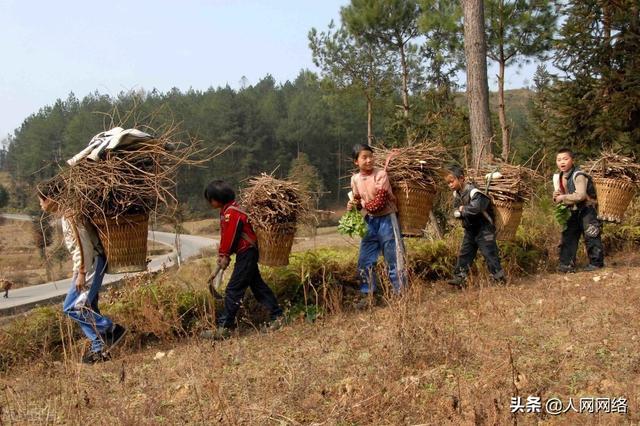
[(50, 48)]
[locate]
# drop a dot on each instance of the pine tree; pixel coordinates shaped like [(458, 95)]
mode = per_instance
[(516, 31), (596, 103), (392, 25)]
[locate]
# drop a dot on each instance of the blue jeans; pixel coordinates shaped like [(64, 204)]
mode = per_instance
[(379, 238), (92, 323)]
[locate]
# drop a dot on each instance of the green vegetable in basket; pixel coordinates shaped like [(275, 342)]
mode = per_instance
[(352, 224), (562, 214)]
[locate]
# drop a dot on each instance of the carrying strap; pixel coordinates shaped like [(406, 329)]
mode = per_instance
[(475, 191), (244, 235)]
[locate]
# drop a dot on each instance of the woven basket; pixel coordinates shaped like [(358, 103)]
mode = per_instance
[(125, 242), (414, 206), (614, 197), (275, 243), (508, 216)]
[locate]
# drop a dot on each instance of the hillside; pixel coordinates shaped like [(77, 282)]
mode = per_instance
[(438, 356)]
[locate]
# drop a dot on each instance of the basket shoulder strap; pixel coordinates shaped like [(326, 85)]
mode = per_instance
[(243, 235), (472, 194), (238, 209)]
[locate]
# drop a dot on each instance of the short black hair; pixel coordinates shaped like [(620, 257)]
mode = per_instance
[(565, 150), (219, 191), (355, 152), (456, 171)]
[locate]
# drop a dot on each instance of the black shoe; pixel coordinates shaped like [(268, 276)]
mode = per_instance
[(457, 280), (565, 269), (366, 301), (92, 357), (114, 336), (220, 333), (499, 278), (591, 268)]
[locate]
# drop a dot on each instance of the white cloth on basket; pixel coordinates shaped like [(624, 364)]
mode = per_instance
[(109, 140)]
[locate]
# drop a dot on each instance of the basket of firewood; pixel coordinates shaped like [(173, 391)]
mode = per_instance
[(616, 179), (509, 187), (414, 173), (275, 208)]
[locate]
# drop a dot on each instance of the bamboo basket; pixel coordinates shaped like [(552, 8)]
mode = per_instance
[(614, 197), (414, 206), (274, 243), (508, 217), (125, 242)]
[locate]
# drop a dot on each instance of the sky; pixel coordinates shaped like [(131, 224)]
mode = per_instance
[(52, 48)]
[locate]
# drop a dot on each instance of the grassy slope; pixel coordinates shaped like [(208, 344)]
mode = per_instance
[(437, 357)]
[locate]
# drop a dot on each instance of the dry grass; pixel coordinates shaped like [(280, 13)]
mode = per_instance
[(21, 263), (435, 357)]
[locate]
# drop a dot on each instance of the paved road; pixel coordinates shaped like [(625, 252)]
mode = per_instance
[(22, 299)]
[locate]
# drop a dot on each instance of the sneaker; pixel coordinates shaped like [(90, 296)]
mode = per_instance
[(92, 357), (274, 325), (590, 268), (566, 269), (220, 333), (114, 336), (457, 280), (365, 302), (499, 278)]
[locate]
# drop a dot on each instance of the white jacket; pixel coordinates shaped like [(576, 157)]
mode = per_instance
[(83, 243)]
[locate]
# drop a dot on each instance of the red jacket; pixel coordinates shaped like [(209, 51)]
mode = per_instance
[(236, 234)]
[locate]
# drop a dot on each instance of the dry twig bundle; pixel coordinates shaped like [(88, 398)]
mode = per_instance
[(135, 179), (614, 166), (512, 184), (420, 163), (270, 201)]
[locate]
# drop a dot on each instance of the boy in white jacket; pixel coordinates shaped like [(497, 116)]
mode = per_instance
[(81, 303)]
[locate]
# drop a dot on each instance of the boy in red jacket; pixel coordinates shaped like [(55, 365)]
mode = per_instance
[(237, 236)]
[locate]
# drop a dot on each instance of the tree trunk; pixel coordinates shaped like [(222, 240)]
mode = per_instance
[(475, 50), (502, 115), (405, 82), (369, 120), (405, 90)]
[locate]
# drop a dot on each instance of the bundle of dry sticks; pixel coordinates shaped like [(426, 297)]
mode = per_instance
[(136, 179), (420, 163), (505, 182), (614, 166), (270, 201)]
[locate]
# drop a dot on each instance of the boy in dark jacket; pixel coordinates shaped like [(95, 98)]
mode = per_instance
[(475, 210), (237, 236), (574, 188)]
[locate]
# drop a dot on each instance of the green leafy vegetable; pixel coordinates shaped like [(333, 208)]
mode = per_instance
[(562, 214), (352, 224)]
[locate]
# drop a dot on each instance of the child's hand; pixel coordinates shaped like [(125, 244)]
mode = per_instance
[(558, 198), (223, 261), (80, 281), (353, 204)]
